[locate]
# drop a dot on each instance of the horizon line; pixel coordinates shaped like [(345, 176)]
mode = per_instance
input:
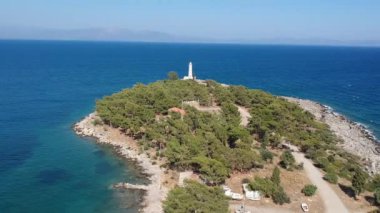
[(196, 42)]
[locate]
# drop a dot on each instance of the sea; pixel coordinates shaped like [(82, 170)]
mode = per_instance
[(46, 86)]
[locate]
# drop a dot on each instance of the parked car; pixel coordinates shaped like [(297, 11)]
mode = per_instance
[(305, 207)]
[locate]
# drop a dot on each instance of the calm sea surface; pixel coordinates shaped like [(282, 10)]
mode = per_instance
[(46, 86)]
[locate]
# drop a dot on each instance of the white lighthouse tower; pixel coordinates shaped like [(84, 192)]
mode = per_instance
[(190, 73)]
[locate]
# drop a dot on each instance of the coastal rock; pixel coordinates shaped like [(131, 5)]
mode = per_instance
[(356, 139), (127, 147), (122, 185)]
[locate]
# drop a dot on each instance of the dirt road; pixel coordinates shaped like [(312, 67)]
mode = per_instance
[(330, 199)]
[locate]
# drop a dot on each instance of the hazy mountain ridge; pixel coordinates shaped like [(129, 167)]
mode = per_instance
[(123, 34)]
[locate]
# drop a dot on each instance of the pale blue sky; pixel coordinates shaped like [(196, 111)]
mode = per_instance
[(244, 20)]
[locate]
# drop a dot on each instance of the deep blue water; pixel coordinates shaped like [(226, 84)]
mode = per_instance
[(45, 86)]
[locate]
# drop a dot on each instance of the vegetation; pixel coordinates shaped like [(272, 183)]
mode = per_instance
[(212, 171), (331, 177), (266, 155), (142, 112), (215, 144), (211, 144), (358, 181), (309, 190), (374, 184), (376, 195), (97, 122), (287, 160), (280, 197), (196, 197), (271, 187), (276, 176), (173, 75), (264, 185)]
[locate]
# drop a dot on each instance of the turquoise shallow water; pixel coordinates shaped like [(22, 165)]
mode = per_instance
[(46, 86)]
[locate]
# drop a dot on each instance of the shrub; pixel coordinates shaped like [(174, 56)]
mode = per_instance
[(276, 176), (287, 160), (331, 177), (172, 75), (264, 185), (374, 184), (322, 162), (376, 195), (280, 197), (97, 122), (195, 197), (266, 155), (358, 181), (309, 190)]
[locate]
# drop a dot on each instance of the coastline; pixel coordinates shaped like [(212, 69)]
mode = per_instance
[(356, 138), (155, 191)]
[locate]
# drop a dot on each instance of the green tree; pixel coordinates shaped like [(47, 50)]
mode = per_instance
[(238, 134), (143, 113), (374, 183), (276, 176), (287, 160), (211, 171), (358, 181), (331, 177), (309, 190), (172, 75), (195, 197), (376, 195), (243, 159), (266, 155), (280, 197), (264, 185), (231, 113)]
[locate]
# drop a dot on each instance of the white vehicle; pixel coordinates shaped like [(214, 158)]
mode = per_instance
[(249, 194), (233, 195), (237, 196), (305, 207), (226, 188)]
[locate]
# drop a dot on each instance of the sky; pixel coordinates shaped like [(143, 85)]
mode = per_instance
[(250, 21)]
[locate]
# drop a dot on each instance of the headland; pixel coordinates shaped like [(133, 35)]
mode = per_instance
[(354, 139)]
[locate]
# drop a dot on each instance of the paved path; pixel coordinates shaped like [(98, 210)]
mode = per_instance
[(330, 199)]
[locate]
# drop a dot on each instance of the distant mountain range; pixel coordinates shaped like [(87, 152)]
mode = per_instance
[(117, 34)]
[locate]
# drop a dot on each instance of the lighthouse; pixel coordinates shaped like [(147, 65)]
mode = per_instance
[(190, 73)]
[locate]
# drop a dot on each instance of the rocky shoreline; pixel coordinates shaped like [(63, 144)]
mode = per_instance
[(357, 140), (127, 147)]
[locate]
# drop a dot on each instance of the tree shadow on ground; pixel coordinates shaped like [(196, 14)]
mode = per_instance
[(347, 189), (370, 199)]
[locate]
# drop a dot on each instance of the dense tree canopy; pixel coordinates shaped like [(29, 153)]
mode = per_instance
[(195, 197), (193, 140), (215, 144), (358, 181)]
